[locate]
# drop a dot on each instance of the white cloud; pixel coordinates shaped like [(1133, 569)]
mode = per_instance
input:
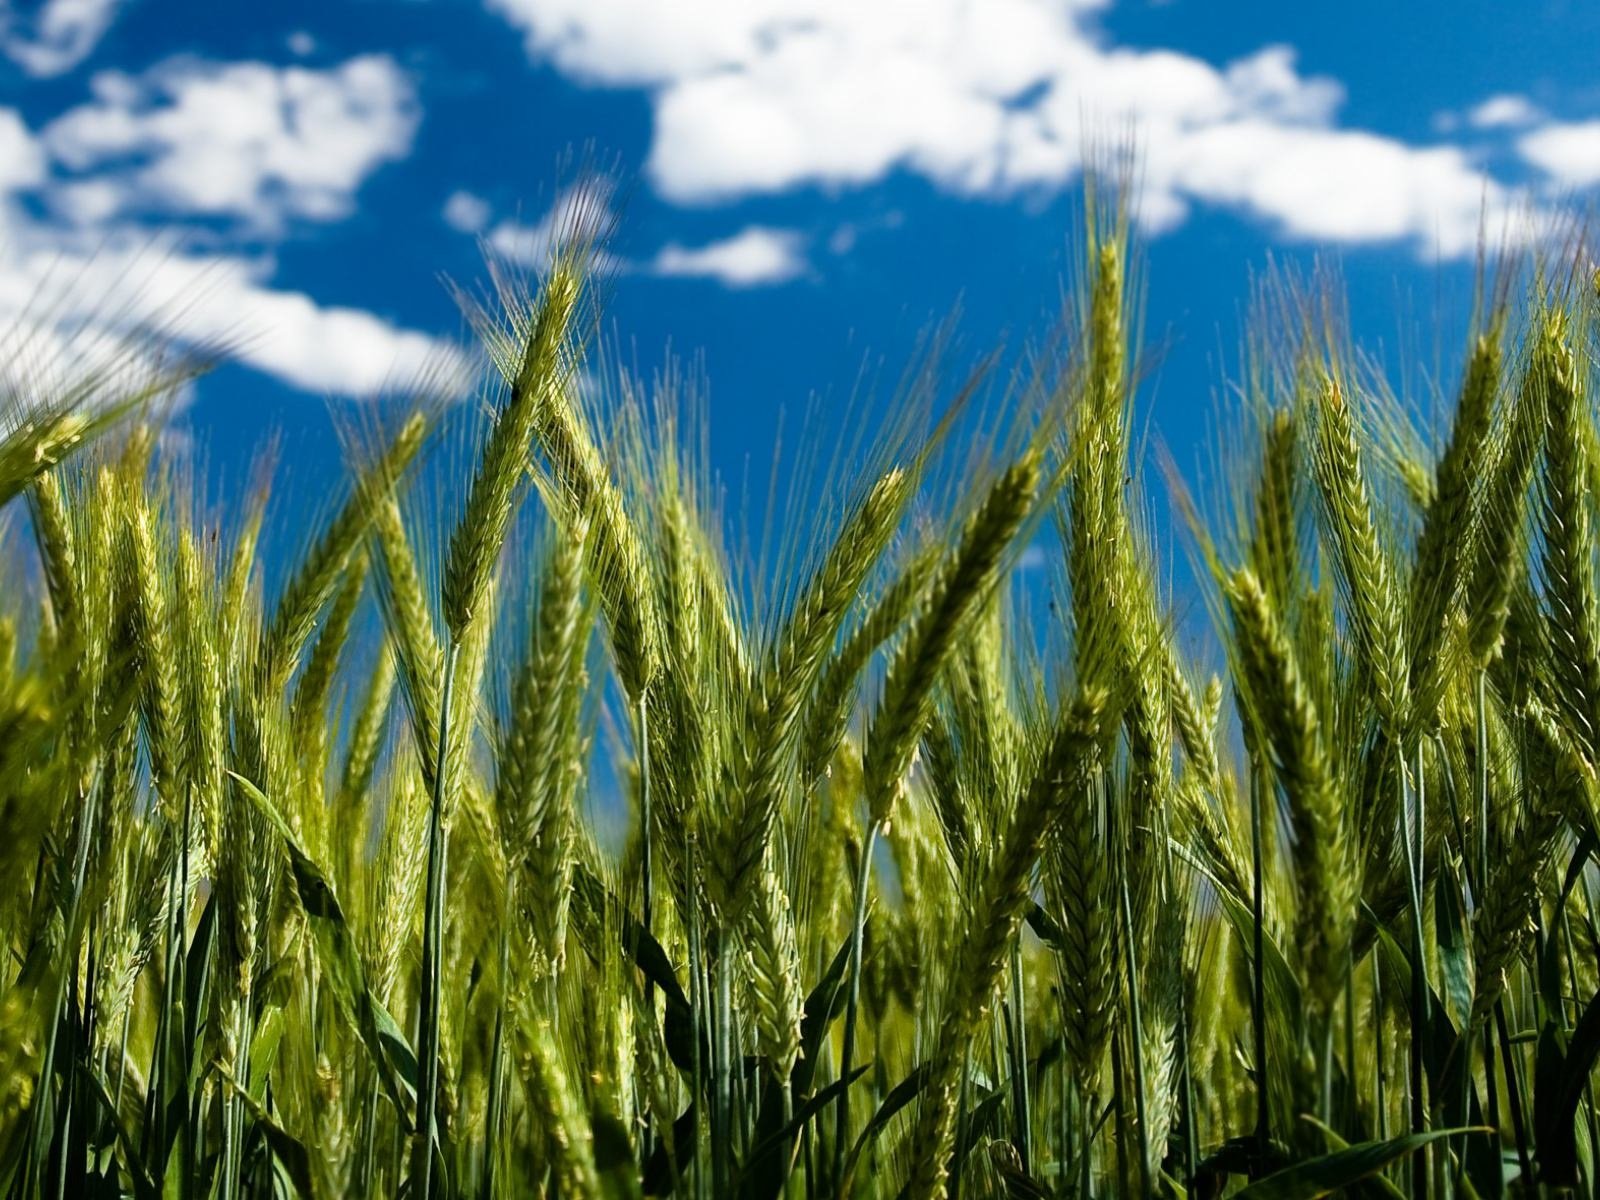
[(1568, 153), (223, 303), (581, 214), (59, 35), (466, 213), (750, 258), (1505, 111), (193, 141), (22, 159), (989, 97), (247, 141)]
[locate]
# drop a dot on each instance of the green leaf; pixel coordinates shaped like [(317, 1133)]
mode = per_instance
[(902, 1094), (1562, 1075), (1328, 1174), (391, 1053)]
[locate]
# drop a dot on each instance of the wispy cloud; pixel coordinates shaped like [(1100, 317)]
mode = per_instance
[(755, 256), (57, 36), (764, 96), (1505, 111)]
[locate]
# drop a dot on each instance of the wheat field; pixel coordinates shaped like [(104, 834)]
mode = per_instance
[(555, 841)]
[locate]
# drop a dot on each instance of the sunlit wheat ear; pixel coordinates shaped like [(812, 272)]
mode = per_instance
[(1567, 563), (1269, 678), (1452, 525), (536, 765), (833, 702), (1366, 574), (957, 593), (1275, 537), (367, 734), (1006, 890), (309, 716), (577, 485), (1080, 884), (776, 701), (418, 657), (317, 577), (541, 377), (773, 968), (1504, 925), (147, 576), (1499, 565)]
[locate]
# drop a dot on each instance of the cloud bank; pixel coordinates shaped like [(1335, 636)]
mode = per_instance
[(996, 97)]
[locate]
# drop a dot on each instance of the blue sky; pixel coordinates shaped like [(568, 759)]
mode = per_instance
[(803, 186)]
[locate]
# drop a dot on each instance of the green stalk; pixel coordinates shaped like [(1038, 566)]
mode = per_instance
[(1120, 1110), (841, 1126), (1350, 1093), (43, 1115), (1019, 1061), (697, 1000), (1513, 1092), (1258, 990), (1191, 1134), (433, 917), (1137, 1035), (1380, 1060), (1419, 977), (1085, 1145), (647, 873), (722, 1137), (493, 1117), (961, 1117)]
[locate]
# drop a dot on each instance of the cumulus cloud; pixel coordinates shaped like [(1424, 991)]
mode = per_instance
[(57, 36), (192, 143), (1569, 153), (750, 258), (992, 97), (245, 141)]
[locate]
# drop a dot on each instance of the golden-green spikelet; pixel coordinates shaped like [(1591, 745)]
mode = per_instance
[(831, 706), (366, 736), (775, 703), (1568, 550), (958, 594), (533, 789), (1006, 890), (579, 486), (1080, 885), (773, 969), (1450, 527), (1296, 733), (1366, 575), (320, 571), (476, 542), (309, 716), (418, 657)]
